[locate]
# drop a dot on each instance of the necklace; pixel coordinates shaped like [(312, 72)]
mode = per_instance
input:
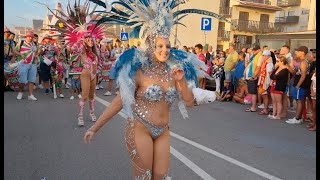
[(157, 70)]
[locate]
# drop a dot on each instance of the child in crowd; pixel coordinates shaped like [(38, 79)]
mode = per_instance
[(239, 97), (75, 79), (56, 72), (226, 94)]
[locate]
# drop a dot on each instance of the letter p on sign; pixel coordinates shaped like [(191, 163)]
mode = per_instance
[(206, 24)]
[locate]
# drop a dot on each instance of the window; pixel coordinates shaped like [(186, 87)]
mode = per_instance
[(291, 13), (305, 11)]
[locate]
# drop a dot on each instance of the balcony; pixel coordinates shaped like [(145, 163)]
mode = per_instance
[(287, 3), (225, 11), (259, 1), (223, 35), (287, 19), (256, 26)]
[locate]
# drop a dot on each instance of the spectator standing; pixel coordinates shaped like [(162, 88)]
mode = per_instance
[(230, 63), (300, 84), (251, 75), (313, 99), (280, 77), (198, 49), (217, 70), (264, 79)]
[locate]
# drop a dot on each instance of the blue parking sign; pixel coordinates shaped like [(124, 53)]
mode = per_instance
[(124, 36), (206, 24)]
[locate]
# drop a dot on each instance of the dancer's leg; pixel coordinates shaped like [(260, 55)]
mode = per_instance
[(161, 156), (140, 149)]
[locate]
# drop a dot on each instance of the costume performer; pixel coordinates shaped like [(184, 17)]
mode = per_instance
[(81, 37), (48, 53), (150, 82)]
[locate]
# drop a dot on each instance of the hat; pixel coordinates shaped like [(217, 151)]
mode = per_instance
[(6, 30), (47, 37), (266, 53), (256, 47), (30, 34), (303, 49)]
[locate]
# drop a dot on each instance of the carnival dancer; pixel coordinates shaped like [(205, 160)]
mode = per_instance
[(48, 53), (150, 81), (27, 68), (10, 78)]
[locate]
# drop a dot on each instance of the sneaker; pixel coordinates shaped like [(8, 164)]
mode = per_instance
[(47, 91), (40, 86), (270, 106), (20, 94), (97, 87), (66, 86), (100, 86), (72, 97), (107, 93), (61, 95), (32, 98), (294, 121), (55, 96), (261, 106), (270, 116), (79, 96)]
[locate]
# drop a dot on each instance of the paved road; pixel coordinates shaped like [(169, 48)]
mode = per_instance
[(219, 141)]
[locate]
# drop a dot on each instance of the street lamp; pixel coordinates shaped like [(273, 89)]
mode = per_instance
[(25, 24)]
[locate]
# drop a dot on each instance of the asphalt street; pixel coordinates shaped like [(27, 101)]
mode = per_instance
[(218, 141)]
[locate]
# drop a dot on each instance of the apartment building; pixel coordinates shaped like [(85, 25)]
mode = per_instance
[(298, 20), (251, 17)]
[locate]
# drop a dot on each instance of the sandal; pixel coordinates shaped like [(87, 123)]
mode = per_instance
[(250, 110), (93, 117), (310, 125), (312, 129), (80, 120), (264, 112)]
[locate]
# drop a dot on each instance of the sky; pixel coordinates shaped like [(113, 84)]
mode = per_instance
[(29, 10)]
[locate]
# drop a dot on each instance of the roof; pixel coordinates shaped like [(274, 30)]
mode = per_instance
[(288, 33), (259, 5)]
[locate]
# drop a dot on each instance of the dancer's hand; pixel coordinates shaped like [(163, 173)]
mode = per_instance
[(88, 136), (177, 73)]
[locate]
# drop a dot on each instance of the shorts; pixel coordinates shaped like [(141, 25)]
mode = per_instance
[(290, 87), (228, 75), (45, 72), (262, 91), (27, 73), (298, 94), (273, 91), (112, 74), (75, 83), (252, 86), (6, 60)]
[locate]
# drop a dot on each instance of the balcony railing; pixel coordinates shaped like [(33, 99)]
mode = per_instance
[(287, 19), (259, 1), (223, 35), (225, 11), (286, 3), (256, 26)]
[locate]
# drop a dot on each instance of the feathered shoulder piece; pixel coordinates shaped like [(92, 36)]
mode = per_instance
[(133, 59)]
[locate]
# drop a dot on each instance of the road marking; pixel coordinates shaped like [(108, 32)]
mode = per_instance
[(190, 164), (200, 172), (224, 157)]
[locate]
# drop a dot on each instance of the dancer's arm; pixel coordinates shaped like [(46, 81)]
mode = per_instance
[(182, 86), (108, 113)]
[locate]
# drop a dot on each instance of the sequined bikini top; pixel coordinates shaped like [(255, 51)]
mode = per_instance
[(154, 93)]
